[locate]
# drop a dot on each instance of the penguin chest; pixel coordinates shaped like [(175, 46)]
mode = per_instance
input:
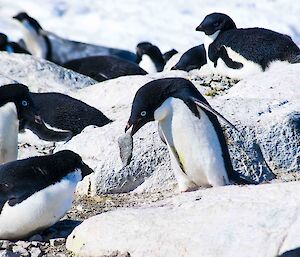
[(35, 43), (195, 143), (41, 210), (147, 64), (9, 125), (248, 67)]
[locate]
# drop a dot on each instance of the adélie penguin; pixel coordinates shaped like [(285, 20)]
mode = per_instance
[(196, 143), (36, 192), (103, 67), (237, 52), (36, 41), (150, 58), (15, 105), (66, 118), (194, 58)]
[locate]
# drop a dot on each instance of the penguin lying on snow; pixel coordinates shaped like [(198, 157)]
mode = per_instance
[(38, 42), (36, 192), (197, 146), (15, 105), (67, 115), (192, 59), (239, 52), (102, 68), (150, 58), (10, 47)]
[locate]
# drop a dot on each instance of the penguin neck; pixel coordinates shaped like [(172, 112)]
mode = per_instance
[(74, 176), (208, 39), (147, 63), (35, 43)]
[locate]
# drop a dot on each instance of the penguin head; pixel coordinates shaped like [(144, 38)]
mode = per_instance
[(19, 95), (3, 41), (67, 161), (216, 22), (28, 21), (146, 48), (152, 95)]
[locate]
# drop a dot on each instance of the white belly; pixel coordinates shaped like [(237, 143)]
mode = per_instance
[(147, 64), (35, 43), (39, 211), (9, 126), (196, 143), (248, 68)]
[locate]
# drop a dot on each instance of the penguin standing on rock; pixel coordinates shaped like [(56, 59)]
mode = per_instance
[(36, 192), (237, 53), (36, 41), (197, 146), (15, 105)]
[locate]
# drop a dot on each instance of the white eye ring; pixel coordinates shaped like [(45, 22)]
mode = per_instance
[(24, 103), (143, 113)]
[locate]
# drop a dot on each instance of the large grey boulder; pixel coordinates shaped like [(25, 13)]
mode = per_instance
[(40, 75), (263, 107), (231, 221)]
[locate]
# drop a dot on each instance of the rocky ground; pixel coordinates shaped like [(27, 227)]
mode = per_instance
[(52, 242)]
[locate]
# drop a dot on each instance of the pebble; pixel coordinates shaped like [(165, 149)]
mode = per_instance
[(57, 241), (4, 244), (20, 250), (8, 253), (36, 252)]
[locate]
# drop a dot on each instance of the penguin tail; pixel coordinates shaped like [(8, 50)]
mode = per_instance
[(295, 59)]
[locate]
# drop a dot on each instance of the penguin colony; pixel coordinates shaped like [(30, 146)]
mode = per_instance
[(36, 192)]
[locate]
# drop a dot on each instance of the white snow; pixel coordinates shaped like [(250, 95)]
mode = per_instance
[(169, 24)]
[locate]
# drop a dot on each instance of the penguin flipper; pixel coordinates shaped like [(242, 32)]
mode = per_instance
[(213, 111), (228, 61)]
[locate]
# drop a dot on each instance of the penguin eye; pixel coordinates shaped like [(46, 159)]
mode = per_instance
[(216, 24), (24, 103), (143, 113)]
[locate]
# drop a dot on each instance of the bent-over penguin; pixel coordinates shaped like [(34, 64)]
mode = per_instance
[(102, 68), (193, 58), (237, 53), (36, 192), (10, 47), (36, 41), (67, 114), (15, 105), (197, 146)]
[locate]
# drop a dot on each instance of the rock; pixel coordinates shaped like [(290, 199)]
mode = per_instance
[(40, 75), (7, 253), (57, 241), (267, 117), (20, 250), (5, 244), (36, 252), (225, 221)]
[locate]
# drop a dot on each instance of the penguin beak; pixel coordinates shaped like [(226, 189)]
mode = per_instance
[(135, 126), (86, 170), (200, 27)]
